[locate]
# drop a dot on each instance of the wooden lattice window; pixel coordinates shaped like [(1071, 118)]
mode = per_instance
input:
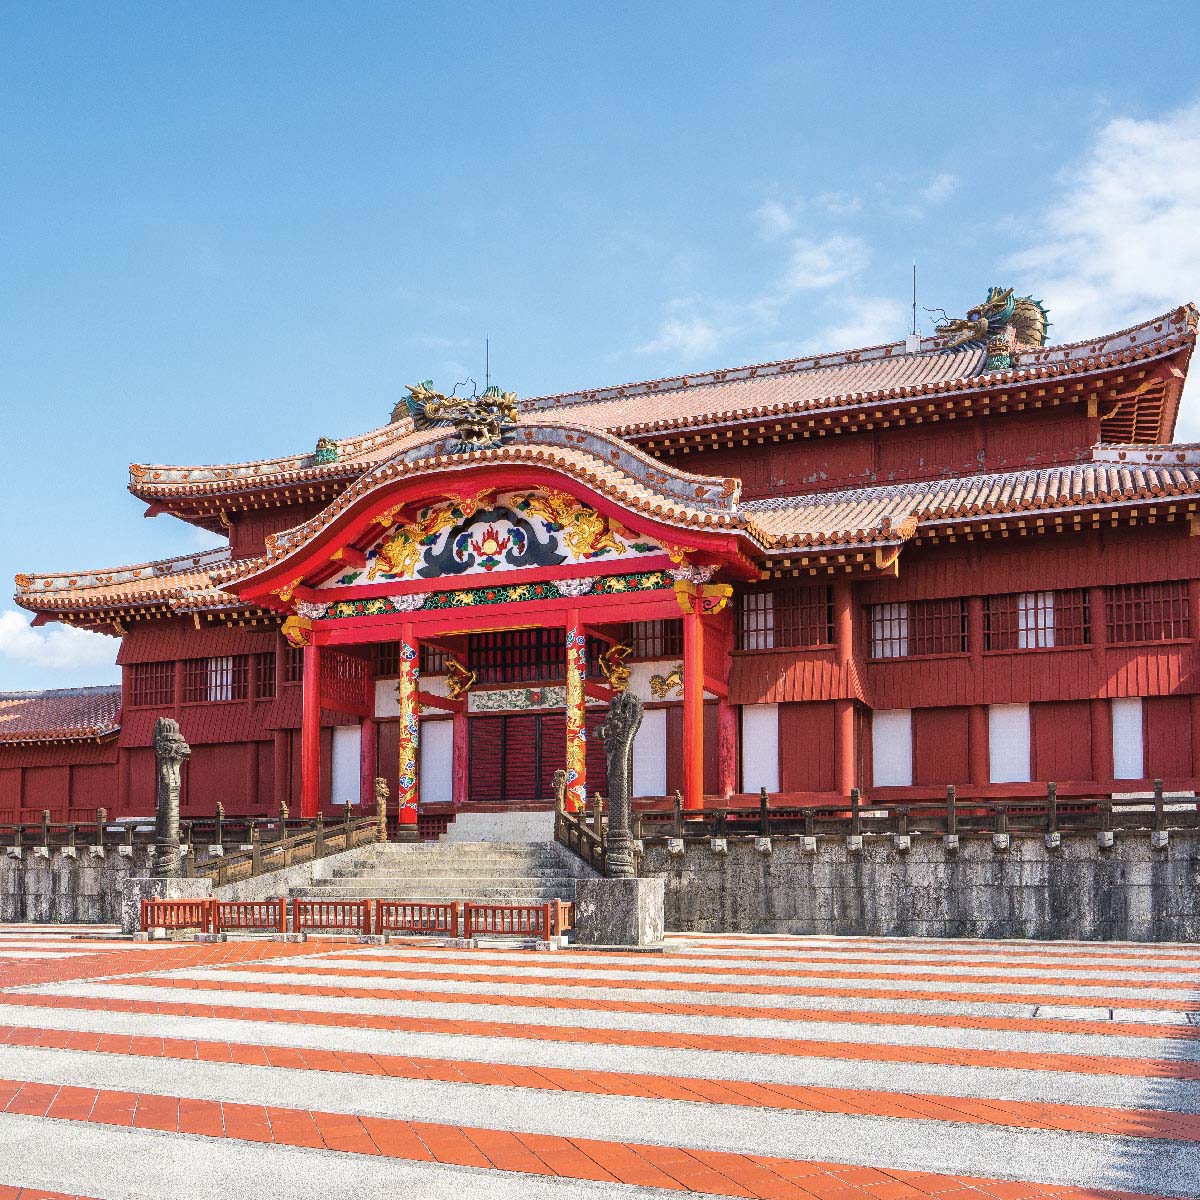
[(345, 681), (518, 655), (1036, 620), (786, 617), (385, 659), (224, 678), (908, 628), (293, 664), (1148, 612), (656, 639), (151, 684), (264, 676)]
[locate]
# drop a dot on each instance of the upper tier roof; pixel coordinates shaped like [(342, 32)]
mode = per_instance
[(639, 411), (61, 715)]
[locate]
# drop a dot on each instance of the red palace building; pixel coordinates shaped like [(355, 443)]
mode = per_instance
[(967, 559)]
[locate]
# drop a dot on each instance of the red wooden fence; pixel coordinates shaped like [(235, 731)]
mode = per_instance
[(177, 914), (403, 916), (517, 920), (353, 915), (250, 914)]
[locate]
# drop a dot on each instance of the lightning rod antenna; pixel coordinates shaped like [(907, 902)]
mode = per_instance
[(487, 363), (914, 304)]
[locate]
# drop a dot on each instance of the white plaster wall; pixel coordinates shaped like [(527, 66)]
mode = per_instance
[(760, 747), (891, 747), (387, 702), (650, 754), (1128, 756), (436, 781), (639, 680), (346, 766), (1008, 743)]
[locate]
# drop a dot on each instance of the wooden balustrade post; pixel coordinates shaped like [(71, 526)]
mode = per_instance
[(282, 914), (319, 837), (855, 812), (255, 850), (295, 914), (547, 922), (220, 830), (1001, 818), (596, 812), (678, 814)]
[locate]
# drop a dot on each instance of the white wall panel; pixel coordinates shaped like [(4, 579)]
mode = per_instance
[(1128, 757), (760, 747), (1008, 743), (650, 754), (346, 767), (435, 784), (891, 747)]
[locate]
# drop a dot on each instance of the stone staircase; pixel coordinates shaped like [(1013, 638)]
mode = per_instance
[(482, 872)]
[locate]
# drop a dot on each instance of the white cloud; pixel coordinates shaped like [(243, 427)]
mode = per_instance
[(940, 188), (863, 321), (689, 336), (840, 204), (54, 647), (774, 219), (1121, 239), (821, 264)]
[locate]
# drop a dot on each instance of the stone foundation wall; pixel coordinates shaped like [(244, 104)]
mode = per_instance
[(86, 888), (1079, 891)]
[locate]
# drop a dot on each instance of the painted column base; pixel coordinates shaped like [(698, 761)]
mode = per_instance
[(619, 912)]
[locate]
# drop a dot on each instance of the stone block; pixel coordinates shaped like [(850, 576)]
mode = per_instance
[(1001, 841), (96, 851), (902, 841), (808, 845), (1159, 839), (1105, 839), (675, 846), (762, 845), (950, 841), (68, 852), (619, 912), (1054, 841), (719, 845), (140, 888), (854, 841), (125, 851)]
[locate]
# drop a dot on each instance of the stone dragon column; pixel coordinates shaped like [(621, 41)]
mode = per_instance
[(618, 732), (170, 751)]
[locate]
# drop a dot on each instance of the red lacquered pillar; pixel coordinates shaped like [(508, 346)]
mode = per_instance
[(310, 733), (408, 690), (693, 710), (367, 768)]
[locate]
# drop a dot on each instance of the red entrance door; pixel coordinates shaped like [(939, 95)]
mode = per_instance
[(513, 758)]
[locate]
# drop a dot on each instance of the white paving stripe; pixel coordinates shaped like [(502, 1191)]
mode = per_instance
[(666, 1022), (1083, 1160), (366, 972), (829, 999), (803, 1071), (139, 1164)]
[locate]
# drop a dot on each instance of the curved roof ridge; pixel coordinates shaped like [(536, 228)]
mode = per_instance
[(110, 689), (52, 580), (351, 448)]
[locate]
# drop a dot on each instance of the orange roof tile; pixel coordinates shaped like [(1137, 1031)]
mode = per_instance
[(61, 715), (852, 379)]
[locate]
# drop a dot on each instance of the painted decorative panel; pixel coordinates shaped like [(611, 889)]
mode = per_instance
[(495, 532), (561, 589)]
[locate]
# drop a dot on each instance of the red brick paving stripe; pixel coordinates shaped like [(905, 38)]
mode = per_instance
[(670, 1168), (734, 1012), (702, 984), (1083, 1064), (203, 1116)]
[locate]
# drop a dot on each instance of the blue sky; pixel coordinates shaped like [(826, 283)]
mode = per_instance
[(228, 229)]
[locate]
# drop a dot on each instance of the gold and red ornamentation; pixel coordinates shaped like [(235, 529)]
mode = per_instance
[(296, 631), (705, 599), (407, 689), (576, 795)]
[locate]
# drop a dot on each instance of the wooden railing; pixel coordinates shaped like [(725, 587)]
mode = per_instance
[(360, 917), (314, 840), (583, 833), (1034, 814)]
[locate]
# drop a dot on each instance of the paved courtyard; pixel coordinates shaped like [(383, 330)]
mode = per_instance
[(799, 1068)]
